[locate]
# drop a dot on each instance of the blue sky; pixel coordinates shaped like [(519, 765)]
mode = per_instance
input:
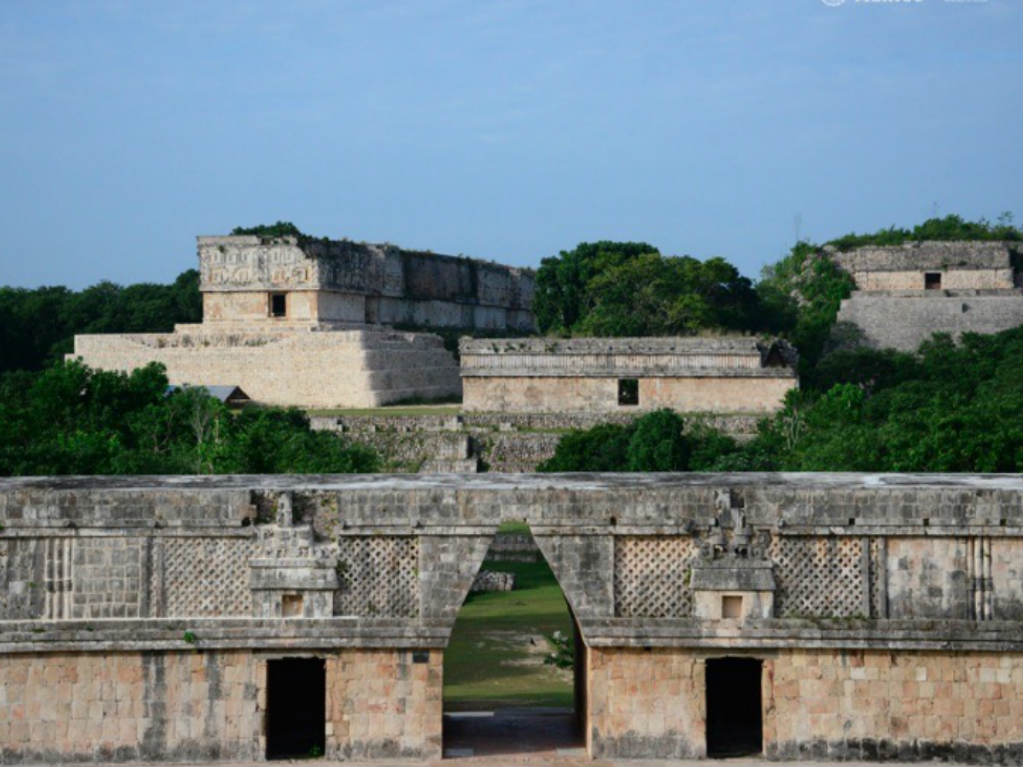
[(503, 130)]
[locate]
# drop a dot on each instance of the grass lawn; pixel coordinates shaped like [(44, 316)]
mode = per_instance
[(512, 527), (490, 663)]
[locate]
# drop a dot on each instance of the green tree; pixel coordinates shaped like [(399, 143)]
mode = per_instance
[(629, 289), (803, 292), (601, 448), (37, 326), (658, 443), (561, 296), (69, 419)]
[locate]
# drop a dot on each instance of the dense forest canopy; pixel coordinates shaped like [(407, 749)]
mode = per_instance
[(630, 289), (37, 326), (69, 419)]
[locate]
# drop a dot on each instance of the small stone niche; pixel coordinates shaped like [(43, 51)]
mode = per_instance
[(732, 606), (291, 605), (733, 589)]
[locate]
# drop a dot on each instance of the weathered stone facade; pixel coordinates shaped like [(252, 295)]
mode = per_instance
[(817, 704), (958, 265), (339, 281), (139, 616), (905, 293), (295, 321), (340, 368), (206, 705), (902, 321), (551, 375)]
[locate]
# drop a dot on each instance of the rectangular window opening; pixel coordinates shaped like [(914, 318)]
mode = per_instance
[(932, 281), (278, 305), (732, 606), (296, 710), (629, 391), (733, 697), (291, 605)]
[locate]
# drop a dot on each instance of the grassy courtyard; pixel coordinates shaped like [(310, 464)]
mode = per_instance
[(497, 650)]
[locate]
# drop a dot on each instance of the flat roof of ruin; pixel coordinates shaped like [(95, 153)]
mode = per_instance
[(512, 482), (317, 246), (928, 254), (731, 344)]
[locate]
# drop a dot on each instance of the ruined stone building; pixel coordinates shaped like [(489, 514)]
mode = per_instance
[(297, 321), (719, 374), (802, 616), (905, 293)]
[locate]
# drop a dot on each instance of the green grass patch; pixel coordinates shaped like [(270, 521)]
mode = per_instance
[(511, 527), (490, 663)]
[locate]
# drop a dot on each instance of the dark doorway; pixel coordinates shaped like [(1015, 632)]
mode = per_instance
[(629, 391), (734, 706), (932, 281), (295, 708), (278, 305)]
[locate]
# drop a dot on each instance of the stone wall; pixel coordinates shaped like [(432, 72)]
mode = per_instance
[(354, 368), (729, 374), (975, 265), (822, 705), (709, 394), (119, 706), (384, 704), (251, 309), (361, 282), (491, 441), (207, 705), (954, 279), (645, 704), (979, 292), (904, 320), (850, 588), (650, 356), (963, 707), (513, 547)]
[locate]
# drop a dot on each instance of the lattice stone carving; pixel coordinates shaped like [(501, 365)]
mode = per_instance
[(379, 576), (207, 576), (652, 576), (818, 576)]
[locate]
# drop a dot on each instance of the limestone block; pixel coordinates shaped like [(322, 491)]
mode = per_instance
[(322, 369), (492, 580)]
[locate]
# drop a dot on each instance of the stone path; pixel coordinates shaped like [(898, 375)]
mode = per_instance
[(513, 735), (521, 737)]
